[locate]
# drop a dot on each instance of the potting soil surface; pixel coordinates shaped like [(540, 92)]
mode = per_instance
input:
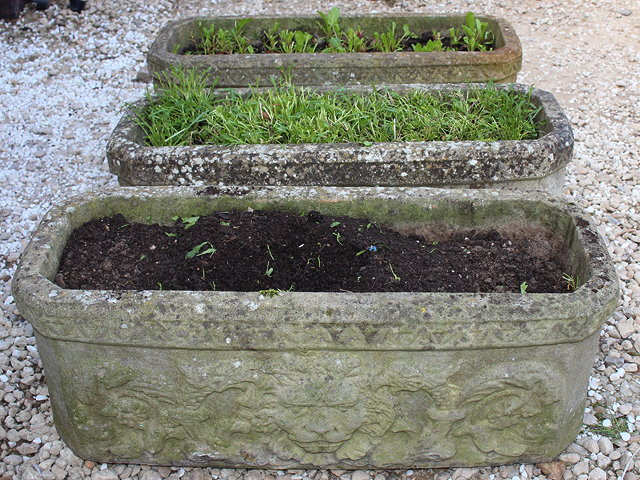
[(267, 250)]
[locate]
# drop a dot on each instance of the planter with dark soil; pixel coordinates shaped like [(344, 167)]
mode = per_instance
[(537, 163), (177, 45), (267, 372)]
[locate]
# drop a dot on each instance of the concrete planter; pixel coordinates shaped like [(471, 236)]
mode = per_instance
[(527, 164), (500, 65), (346, 380)]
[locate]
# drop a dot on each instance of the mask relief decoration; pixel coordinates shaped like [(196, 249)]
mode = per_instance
[(313, 408)]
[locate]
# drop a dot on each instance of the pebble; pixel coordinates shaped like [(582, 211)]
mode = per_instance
[(597, 474), (360, 475), (569, 457), (605, 445), (150, 475), (106, 474)]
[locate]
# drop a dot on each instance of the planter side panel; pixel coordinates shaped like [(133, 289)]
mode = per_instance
[(347, 409)]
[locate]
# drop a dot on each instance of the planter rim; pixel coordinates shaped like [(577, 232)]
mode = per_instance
[(537, 158), (505, 54), (421, 318)]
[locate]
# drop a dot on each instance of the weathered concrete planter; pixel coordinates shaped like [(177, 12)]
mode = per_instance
[(350, 380), (500, 65), (526, 164)]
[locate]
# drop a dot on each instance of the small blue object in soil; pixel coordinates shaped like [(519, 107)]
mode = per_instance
[(373, 248)]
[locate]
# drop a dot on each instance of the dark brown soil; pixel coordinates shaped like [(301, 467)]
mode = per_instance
[(261, 250)]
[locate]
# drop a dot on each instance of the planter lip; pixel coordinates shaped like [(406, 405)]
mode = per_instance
[(134, 162), (161, 51), (421, 319)]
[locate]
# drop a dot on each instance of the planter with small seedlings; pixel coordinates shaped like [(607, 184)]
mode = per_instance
[(368, 370), (330, 49)]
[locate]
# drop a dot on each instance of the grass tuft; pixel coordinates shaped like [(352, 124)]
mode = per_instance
[(183, 111)]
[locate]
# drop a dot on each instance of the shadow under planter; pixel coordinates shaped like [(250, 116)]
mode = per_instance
[(241, 70), (345, 380), (512, 164)]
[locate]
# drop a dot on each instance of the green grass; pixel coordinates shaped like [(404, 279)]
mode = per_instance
[(475, 35), (183, 111)]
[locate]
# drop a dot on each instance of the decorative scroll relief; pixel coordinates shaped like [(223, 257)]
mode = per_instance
[(317, 408)]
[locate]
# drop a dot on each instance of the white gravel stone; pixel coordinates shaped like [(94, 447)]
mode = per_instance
[(597, 474), (106, 474), (360, 475), (150, 475), (569, 457), (606, 446)]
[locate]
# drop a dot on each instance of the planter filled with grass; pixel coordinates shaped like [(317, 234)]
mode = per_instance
[(328, 49), (429, 135), (316, 328)]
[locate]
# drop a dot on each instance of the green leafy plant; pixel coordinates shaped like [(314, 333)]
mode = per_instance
[(477, 36), (295, 42), (330, 24), (200, 249), (523, 287), (187, 222), (388, 41), (214, 41), (355, 40), (209, 40)]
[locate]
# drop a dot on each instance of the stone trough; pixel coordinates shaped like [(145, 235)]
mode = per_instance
[(510, 164), (319, 380)]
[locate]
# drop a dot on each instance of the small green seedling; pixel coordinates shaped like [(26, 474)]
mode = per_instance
[(388, 42), (198, 250), (269, 252), (395, 277), (187, 222), (338, 237), (269, 271), (523, 287), (335, 224), (330, 23), (159, 285), (142, 257), (477, 36), (570, 281)]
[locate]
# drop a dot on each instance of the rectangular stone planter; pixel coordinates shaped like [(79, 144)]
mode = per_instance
[(526, 164), (345, 380), (500, 65)]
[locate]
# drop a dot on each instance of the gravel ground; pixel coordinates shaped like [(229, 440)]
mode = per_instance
[(64, 76)]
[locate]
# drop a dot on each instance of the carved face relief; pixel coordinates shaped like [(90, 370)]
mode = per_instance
[(321, 428)]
